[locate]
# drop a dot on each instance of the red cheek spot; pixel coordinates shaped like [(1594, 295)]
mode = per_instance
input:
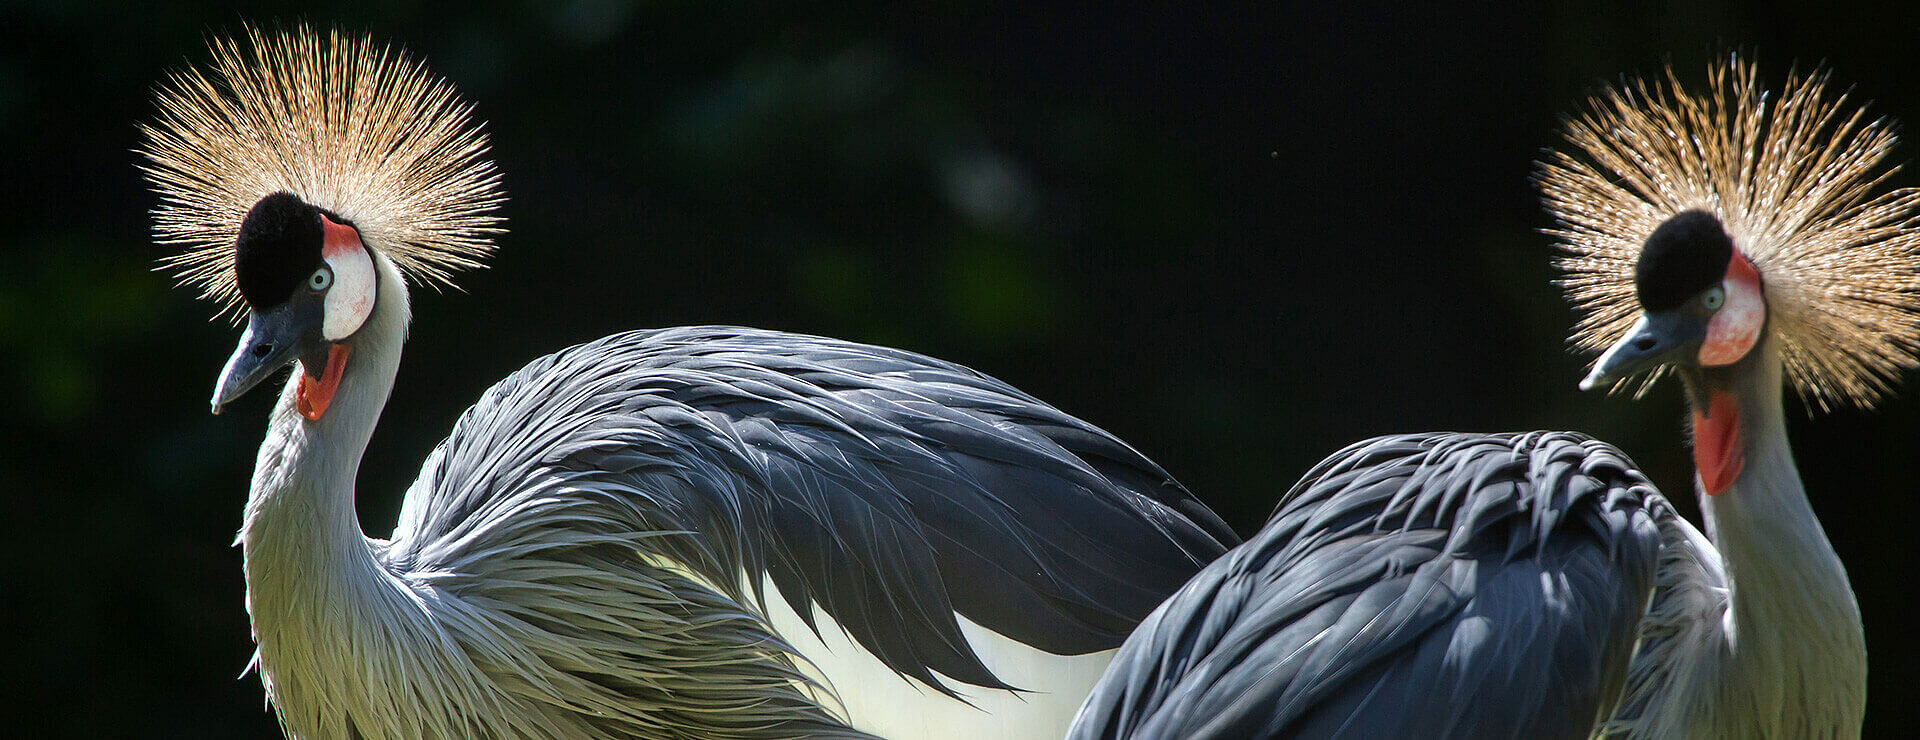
[(1735, 328), (338, 238), (350, 301)]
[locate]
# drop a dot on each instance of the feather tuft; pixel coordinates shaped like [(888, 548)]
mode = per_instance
[(1791, 177), (353, 127)]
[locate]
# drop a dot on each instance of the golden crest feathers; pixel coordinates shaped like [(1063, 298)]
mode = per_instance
[(347, 125), (1792, 180)]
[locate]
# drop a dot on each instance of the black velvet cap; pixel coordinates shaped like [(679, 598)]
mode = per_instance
[(1687, 254), (278, 247)]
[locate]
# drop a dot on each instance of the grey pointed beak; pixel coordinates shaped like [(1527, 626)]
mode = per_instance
[(1657, 339), (273, 340)]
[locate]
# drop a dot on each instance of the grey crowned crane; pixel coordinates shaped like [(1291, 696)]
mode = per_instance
[(701, 532), (1534, 585)]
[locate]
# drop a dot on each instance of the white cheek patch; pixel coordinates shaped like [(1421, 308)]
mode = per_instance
[(350, 300), (1735, 328)]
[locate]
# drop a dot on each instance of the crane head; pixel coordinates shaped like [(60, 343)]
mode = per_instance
[(1702, 307), (309, 284), (284, 172), (1701, 303), (1697, 225)]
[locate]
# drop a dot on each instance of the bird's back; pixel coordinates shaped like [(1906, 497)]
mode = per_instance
[(893, 491), (1434, 585)]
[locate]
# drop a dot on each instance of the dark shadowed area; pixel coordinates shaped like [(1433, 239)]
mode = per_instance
[(1237, 235)]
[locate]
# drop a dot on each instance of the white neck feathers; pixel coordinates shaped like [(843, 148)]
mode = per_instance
[(1792, 661)]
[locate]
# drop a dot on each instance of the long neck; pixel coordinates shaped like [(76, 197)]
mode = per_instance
[(301, 509), (1794, 644), (311, 574)]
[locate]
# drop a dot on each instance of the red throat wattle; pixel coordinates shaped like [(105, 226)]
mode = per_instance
[(313, 396), (1717, 449)]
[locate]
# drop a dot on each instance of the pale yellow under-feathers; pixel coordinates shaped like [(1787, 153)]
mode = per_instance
[(1792, 178), (352, 127)]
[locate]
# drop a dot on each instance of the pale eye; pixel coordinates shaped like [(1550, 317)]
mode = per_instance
[(322, 279), (1714, 298)]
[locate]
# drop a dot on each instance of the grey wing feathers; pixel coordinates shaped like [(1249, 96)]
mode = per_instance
[(1438, 585), (892, 489), (1685, 618)]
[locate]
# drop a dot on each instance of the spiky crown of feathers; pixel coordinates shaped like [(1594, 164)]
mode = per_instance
[(1791, 179), (347, 125)]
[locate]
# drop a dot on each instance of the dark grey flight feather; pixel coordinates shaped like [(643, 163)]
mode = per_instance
[(890, 488), (1431, 586)]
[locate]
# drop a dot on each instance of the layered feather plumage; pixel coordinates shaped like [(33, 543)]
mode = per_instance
[(692, 533), (351, 126), (1424, 585), (1792, 177)]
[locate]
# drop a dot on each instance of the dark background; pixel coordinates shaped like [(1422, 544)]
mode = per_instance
[(1239, 236)]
